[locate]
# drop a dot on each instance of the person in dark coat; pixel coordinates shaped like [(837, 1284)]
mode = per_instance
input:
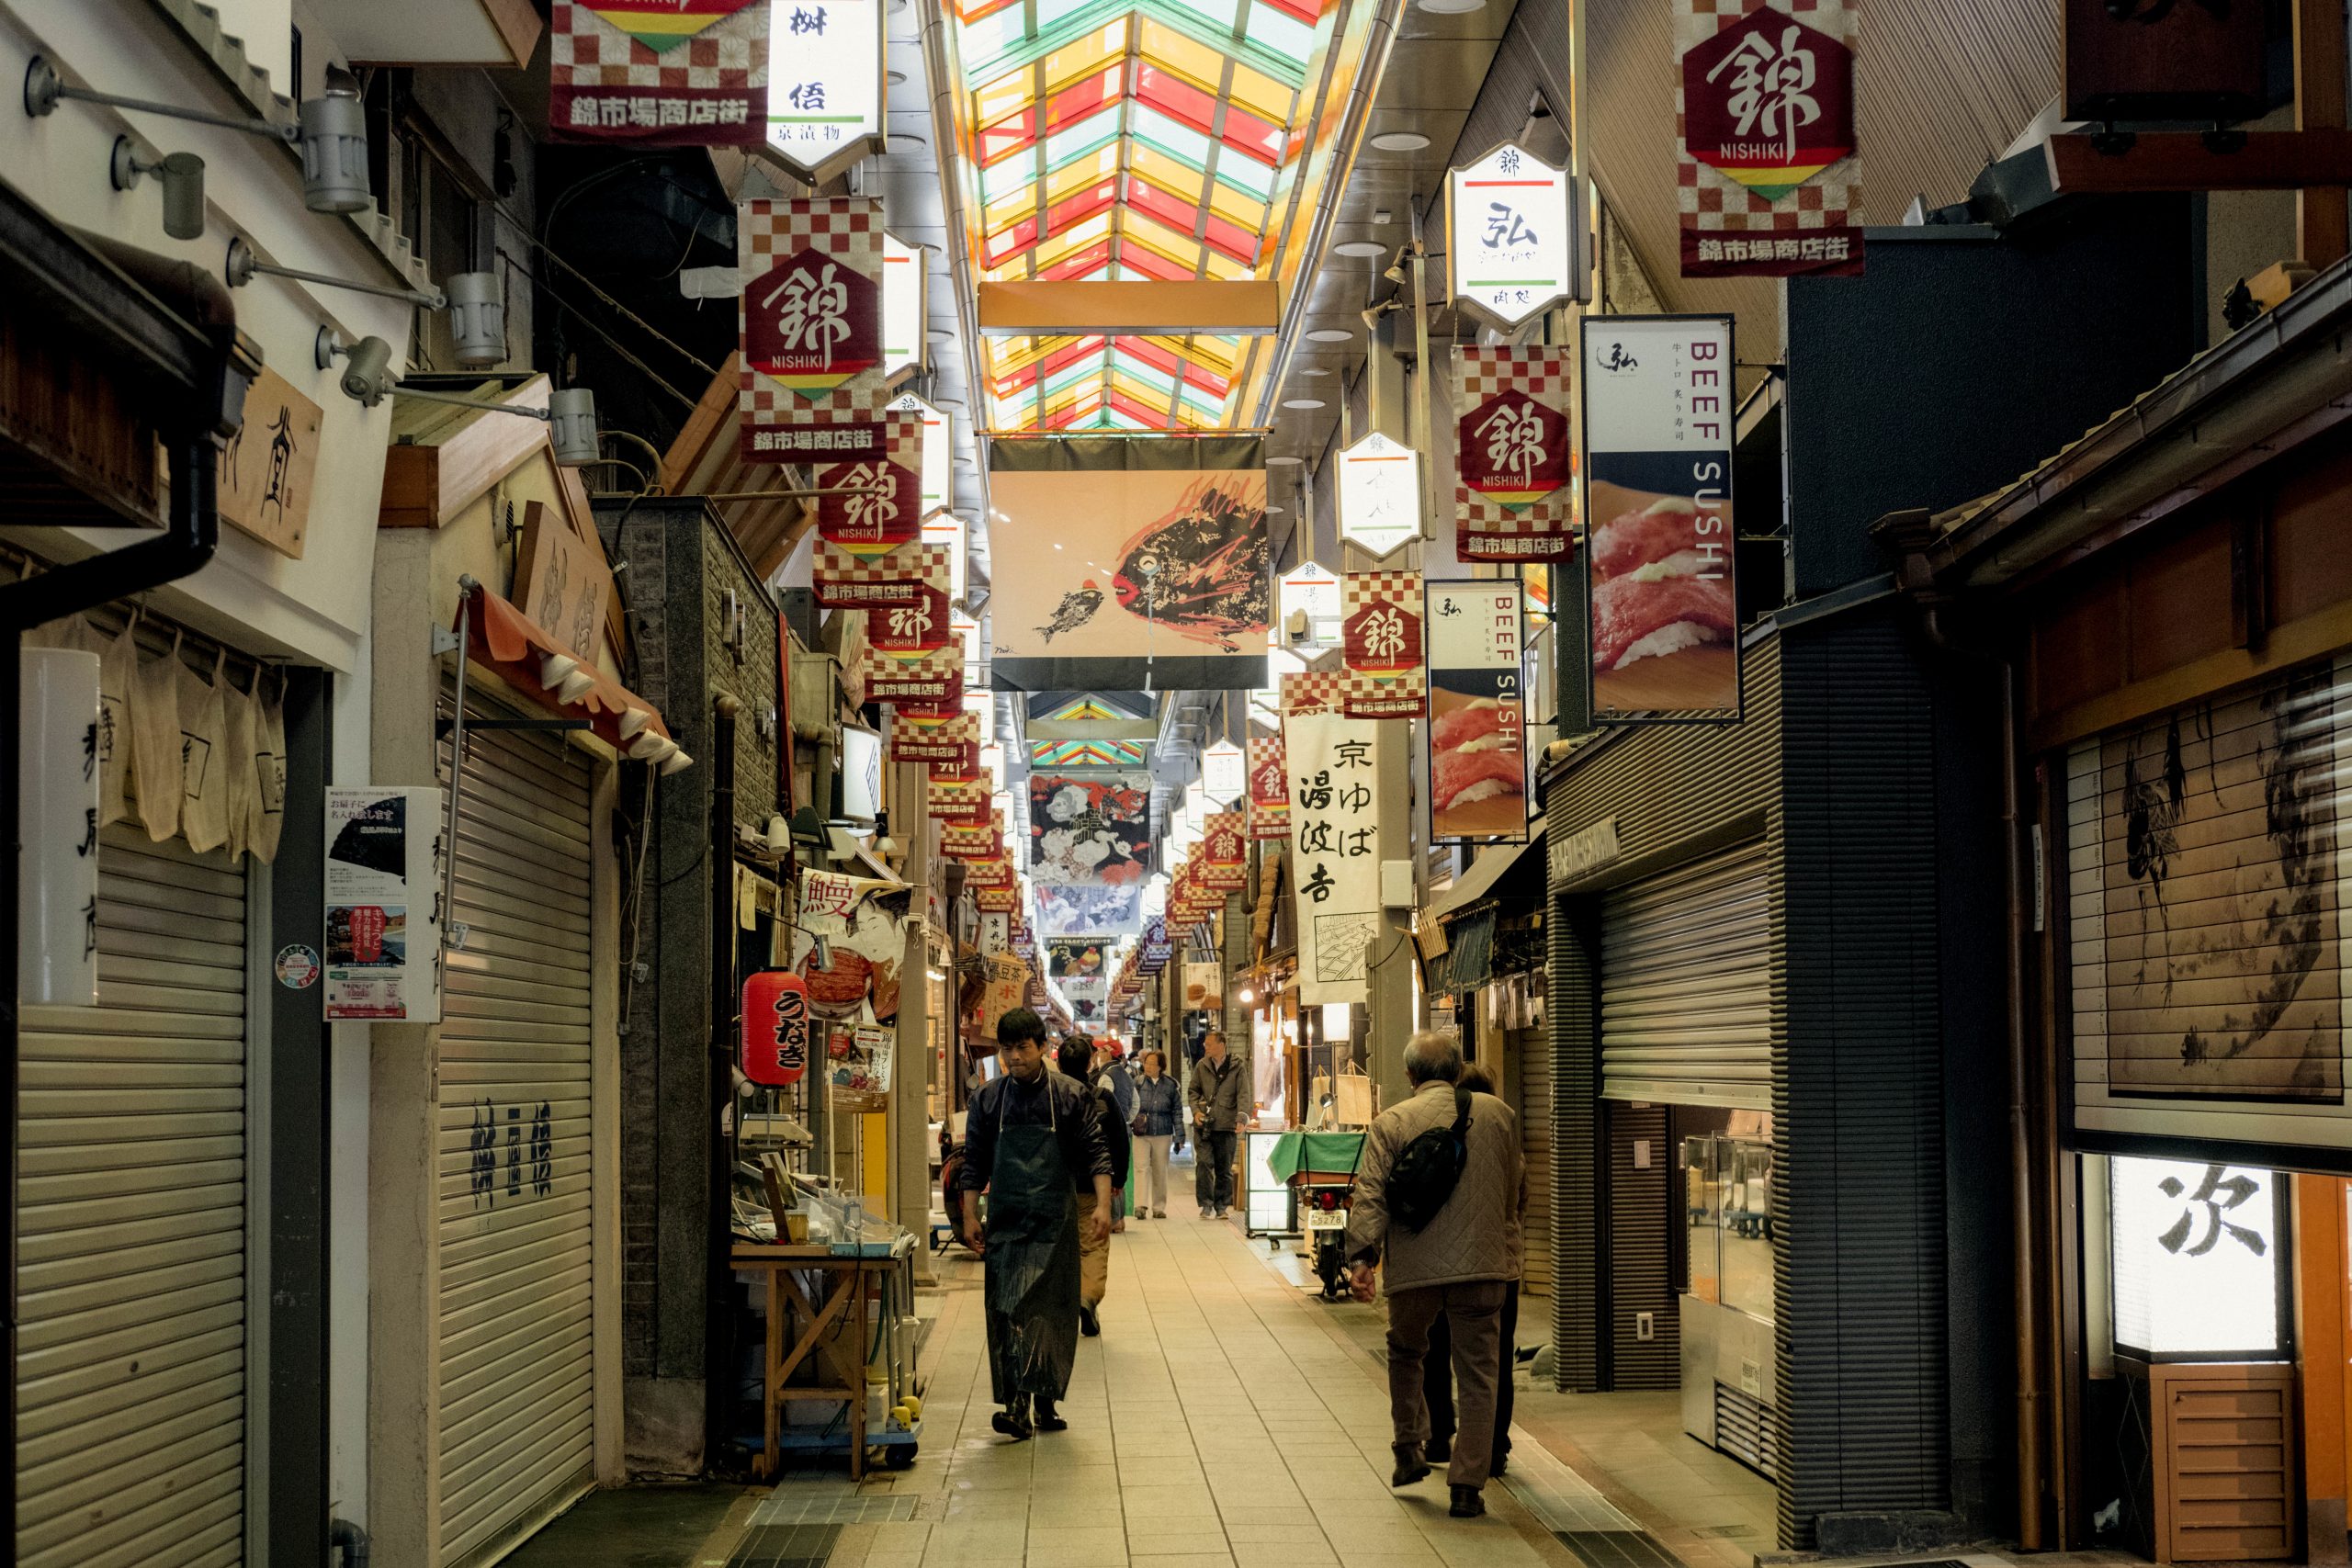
[(1033, 1140), (1437, 1386), (1095, 1247)]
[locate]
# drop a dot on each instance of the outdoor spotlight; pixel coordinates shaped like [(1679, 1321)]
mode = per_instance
[(477, 319), (180, 174), (333, 138), (368, 366), (571, 423), (779, 834)]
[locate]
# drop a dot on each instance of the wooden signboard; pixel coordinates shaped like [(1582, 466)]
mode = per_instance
[(266, 472), (2154, 60), (562, 582)]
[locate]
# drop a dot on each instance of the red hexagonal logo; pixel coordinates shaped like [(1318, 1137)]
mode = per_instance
[(1381, 639), (811, 322), (1769, 102), (1514, 450)]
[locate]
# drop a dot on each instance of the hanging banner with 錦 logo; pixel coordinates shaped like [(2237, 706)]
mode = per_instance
[(811, 386), (658, 73), (912, 630), (929, 679), (1658, 561), (1381, 640), (1477, 729), (870, 506), (1156, 949), (998, 901), (1224, 851), (1770, 180), (969, 841), (1269, 788), (1335, 851), (951, 741), (958, 801), (1514, 495), (989, 870), (826, 111), (1311, 691)]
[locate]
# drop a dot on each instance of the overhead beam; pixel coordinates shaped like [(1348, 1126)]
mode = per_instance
[(1040, 730), (2199, 161), (1243, 308)]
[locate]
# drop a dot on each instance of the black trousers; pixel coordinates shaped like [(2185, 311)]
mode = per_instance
[(1212, 1166), (1437, 1389)]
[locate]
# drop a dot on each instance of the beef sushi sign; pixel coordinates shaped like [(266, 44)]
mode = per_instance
[(1477, 733), (1658, 464)]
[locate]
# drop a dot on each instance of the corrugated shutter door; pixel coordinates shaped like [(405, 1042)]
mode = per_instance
[(132, 1353), (1533, 1049), (1685, 984), (517, 1384)]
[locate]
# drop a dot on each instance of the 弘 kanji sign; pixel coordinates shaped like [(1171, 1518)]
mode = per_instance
[(1517, 235)]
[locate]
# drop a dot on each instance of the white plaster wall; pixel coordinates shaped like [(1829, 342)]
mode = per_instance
[(267, 28)]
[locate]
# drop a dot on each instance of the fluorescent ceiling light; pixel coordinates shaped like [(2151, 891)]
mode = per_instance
[(1281, 462), (1360, 248), (1330, 334), (1302, 403), (1451, 7), (1404, 141)]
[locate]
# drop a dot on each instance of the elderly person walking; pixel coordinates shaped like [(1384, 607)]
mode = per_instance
[(1160, 1122), (1216, 1096), (1437, 1383), (1436, 1204)]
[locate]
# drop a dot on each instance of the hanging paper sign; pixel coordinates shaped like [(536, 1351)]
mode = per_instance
[(995, 939), (1770, 182), (1380, 494), (1008, 982), (870, 506), (1335, 851), (1381, 643), (938, 452), (1222, 771), (1517, 236), (1269, 789), (909, 576), (1224, 845), (1477, 729), (383, 901), (776, 1027), (957, 740), (1514, 495), (658, 73), (904, 278), (1657, 417), (826, 111), (934, 679), (1311, 590), (810, 329)]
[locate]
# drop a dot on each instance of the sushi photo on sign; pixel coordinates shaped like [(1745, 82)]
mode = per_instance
[(1477, 729), (1659, 559)]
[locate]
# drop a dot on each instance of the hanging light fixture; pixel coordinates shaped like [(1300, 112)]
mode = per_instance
[(476, 313)]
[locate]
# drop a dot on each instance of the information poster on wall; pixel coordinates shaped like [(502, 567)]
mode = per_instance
[(1335, 851), (1657, 417), (383, 895), (1477, 729)]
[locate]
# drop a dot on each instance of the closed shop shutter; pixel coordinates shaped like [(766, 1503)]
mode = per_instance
[(131, 1356), (1532, 1049), (1685, 984), (517, 1385)]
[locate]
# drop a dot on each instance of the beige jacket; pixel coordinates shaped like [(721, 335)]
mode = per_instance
[(1476, 1235)]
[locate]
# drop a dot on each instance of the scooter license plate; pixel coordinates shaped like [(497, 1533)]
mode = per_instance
[(1326, 1219)]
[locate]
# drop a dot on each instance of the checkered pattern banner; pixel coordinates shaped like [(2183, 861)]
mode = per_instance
[(1381, 646), (940, 743), (1310, 691), (969, 841), (658, 73), (870, 506), (931, 680), (1515, 496), (1269, 789), (896, 580), (1224, 865), (957, 801), (810, 329), (1769, 178)]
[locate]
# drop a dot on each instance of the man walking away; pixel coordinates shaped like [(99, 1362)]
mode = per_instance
[(1093, 1239), (1158, 1122), (1437, 1377), (1032, 1139), (1216, 1096), (1437, 1198)]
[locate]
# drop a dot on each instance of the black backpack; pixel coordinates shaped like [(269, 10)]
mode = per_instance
[(1423, 1180)]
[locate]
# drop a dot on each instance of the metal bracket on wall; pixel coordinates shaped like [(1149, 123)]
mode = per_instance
[(441, 728)]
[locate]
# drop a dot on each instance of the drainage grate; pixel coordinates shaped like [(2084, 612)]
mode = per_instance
[(828, 1504)]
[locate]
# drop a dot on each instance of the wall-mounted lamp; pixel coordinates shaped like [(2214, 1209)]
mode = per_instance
[(180, 174), (570, 413), (331, 131), (476, 313)]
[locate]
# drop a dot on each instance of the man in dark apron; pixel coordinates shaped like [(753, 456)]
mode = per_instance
[(1030, 1136)]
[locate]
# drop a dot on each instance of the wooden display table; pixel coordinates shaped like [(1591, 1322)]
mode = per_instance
[(850, 1283)]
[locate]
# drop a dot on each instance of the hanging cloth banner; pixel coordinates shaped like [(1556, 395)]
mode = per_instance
[(870, 506), (969, 841), (953, 741), (1514, 497), (863, 923), (1381, 645), (1224, 851), (658, 73), (911, 630), (1311, 691), (1335, 852), (1105, 908), (929, 679), (998, 901), (909, 576), (1477, 730), (957, 801), (1770, 180), (811, 327), (1089, 829), (989, 871), (1269, 788)]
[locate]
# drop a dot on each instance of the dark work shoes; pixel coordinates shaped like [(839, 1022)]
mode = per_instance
[(1468, 1503), (1087, 1324), (1410, 1465), (1049, 1419), (1013, 1421)]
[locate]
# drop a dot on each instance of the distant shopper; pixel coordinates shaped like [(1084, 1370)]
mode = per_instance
[(1110, 1072), (1438, 1366), (1437, 1200), (1031, 1139), (1160, 1122), (1216, 1096), (1093, 1239)]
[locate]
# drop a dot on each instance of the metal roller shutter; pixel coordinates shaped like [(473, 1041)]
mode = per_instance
[(1685, 984), (131, 1370), (1533, 1050), (517, 1386)]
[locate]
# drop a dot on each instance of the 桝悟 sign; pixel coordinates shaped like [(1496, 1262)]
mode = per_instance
[(825, 107)]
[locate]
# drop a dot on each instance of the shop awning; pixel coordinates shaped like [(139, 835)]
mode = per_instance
[(502, 638), (1479, 883)]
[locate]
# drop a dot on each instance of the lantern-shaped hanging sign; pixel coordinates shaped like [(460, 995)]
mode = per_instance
[(776, 1027)]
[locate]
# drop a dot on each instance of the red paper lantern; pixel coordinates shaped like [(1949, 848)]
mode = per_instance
[(776, 1027)]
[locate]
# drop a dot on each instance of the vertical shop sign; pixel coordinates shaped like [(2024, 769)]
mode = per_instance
[(938, 450), (1223, 770), (1514, 495), (870, 506), (933, 680), (776, 1027), (1478, 731), (1517, 235), (826, 111), (1380, 494), (1314, 592), (1381, 645), (810, 329), (658, 73), (956, 740), (944, 532), (904, 280), (1658, 425), (383, 903), (1335, 851), (1269, 788), (1770, 179)]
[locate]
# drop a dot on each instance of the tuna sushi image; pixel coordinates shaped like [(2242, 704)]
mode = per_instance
[(1477, 767), (1664, 615)]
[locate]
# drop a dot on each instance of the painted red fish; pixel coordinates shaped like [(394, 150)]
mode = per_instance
[(1202, 570)]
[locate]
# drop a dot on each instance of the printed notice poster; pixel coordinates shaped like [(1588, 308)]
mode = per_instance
[(1657, 415), (1478, 732), (383, 896)]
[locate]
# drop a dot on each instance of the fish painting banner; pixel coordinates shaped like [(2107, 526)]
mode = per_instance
[(1658, 561), (1477, 729), (1382, 643), (1130, 563), (1335, 851), (658, 73), (1514, 494), (810, 331), (1770, 180), (1089, 828), (1269, 788)]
